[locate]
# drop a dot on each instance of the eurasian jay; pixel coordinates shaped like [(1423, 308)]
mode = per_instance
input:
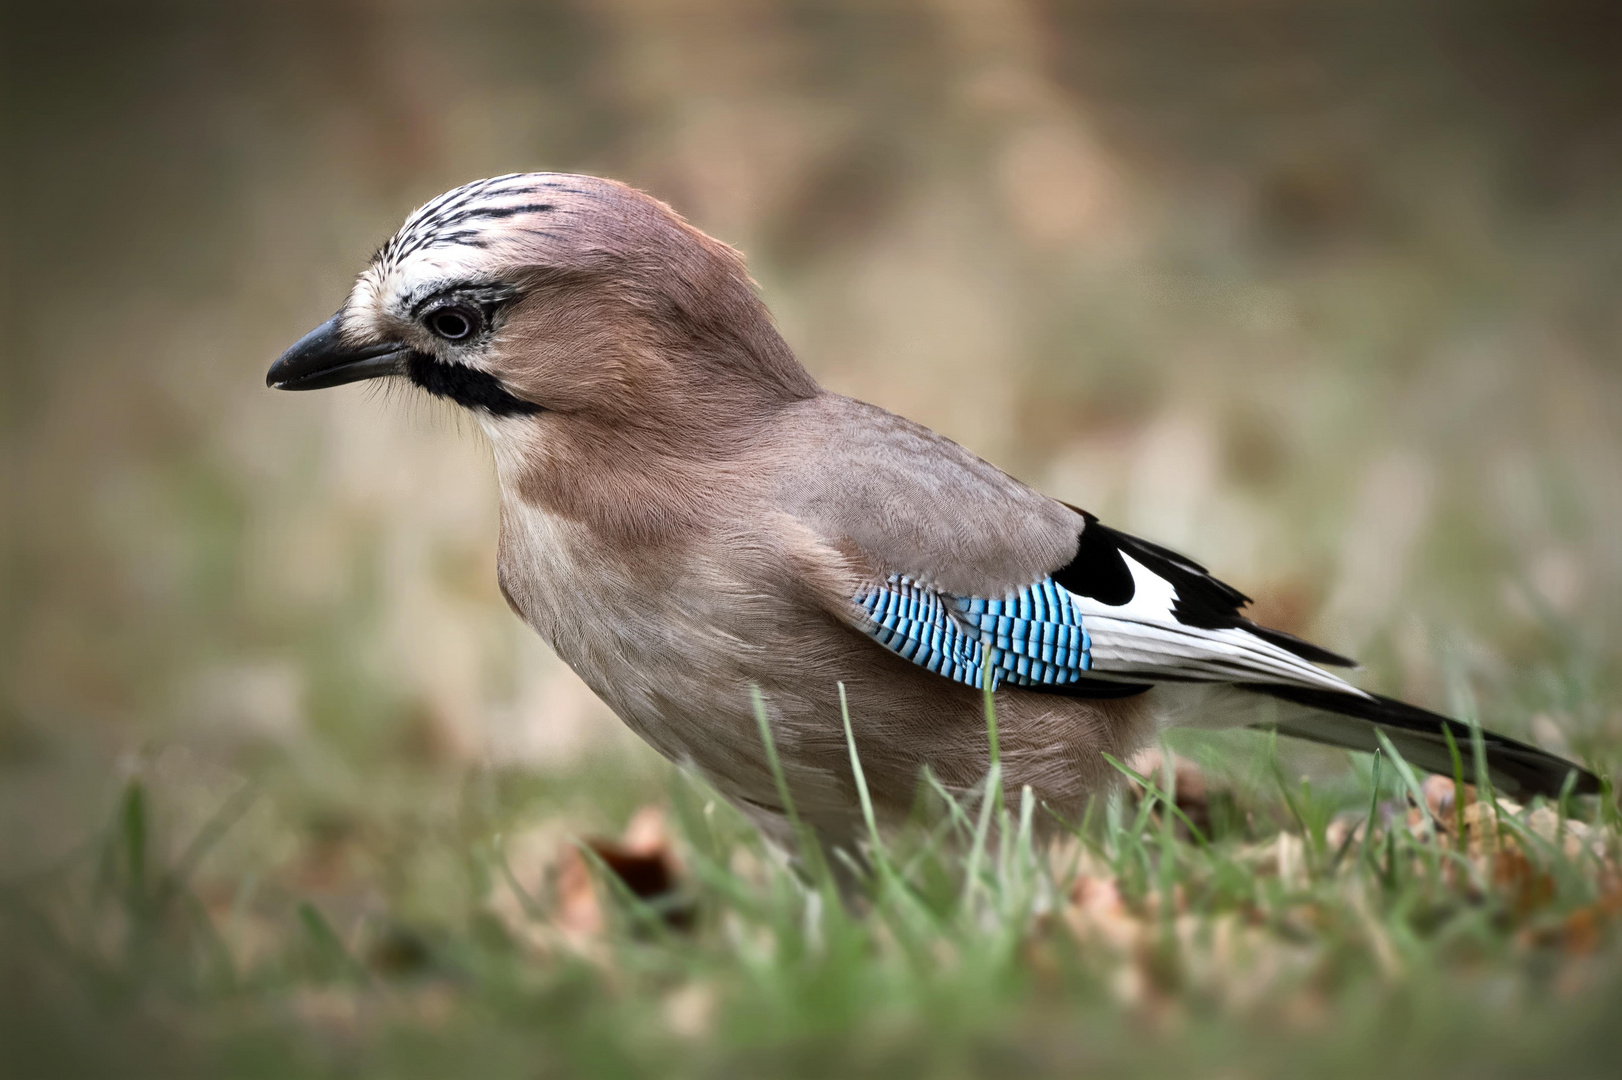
[(688, 519)]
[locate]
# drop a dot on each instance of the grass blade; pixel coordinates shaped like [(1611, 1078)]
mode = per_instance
[(861, 780), (810, 845), (1458, 783), (1406, 772)]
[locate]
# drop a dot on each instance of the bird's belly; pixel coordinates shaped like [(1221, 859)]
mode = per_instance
[(669, 640)]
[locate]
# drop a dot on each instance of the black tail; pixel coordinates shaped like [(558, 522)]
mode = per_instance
[(1350, 721)]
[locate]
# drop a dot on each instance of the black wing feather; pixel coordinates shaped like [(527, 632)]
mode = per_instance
[(1203, 602)]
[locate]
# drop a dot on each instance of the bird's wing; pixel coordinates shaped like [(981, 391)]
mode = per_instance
[(1106, 623), (962, 569)]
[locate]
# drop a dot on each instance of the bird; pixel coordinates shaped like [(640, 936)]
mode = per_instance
[(712, 541)]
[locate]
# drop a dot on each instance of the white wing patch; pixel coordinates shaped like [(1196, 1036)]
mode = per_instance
[(1142, 638)]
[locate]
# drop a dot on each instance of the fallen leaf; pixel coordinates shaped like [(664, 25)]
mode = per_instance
[(642, 861), (1530, 889), (1192, 795), (1439, 792)]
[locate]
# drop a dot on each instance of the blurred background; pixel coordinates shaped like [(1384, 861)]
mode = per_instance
[(1326, 294)]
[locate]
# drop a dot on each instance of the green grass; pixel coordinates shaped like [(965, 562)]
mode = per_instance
[(1279, 935)]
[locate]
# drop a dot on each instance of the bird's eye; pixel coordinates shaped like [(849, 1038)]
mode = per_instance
[(453, 323)]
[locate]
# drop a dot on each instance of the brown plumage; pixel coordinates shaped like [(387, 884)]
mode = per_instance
[(686, 515)]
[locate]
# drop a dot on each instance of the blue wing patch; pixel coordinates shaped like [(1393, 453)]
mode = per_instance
[(1034, 634)]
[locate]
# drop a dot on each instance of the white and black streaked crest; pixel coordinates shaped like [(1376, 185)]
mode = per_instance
[(464, 216), (477, 236)]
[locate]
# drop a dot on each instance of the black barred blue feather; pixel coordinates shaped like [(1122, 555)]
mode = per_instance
[(914, 623), (1034, 635)]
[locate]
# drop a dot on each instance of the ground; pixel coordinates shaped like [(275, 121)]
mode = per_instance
[(486, 924)]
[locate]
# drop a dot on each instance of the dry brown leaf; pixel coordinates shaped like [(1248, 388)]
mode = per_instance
[(1192, 795), (1582, 931), (578, 912), (1530, 889), (1439, 792), (642, 860), (1096, 912)]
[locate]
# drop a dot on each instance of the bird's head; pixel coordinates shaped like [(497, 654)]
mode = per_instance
[(546, 294)]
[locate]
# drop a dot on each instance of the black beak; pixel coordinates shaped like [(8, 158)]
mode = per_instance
[(321, 359)]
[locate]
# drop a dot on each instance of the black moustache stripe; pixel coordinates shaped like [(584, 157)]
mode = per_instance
[(468, 388)]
